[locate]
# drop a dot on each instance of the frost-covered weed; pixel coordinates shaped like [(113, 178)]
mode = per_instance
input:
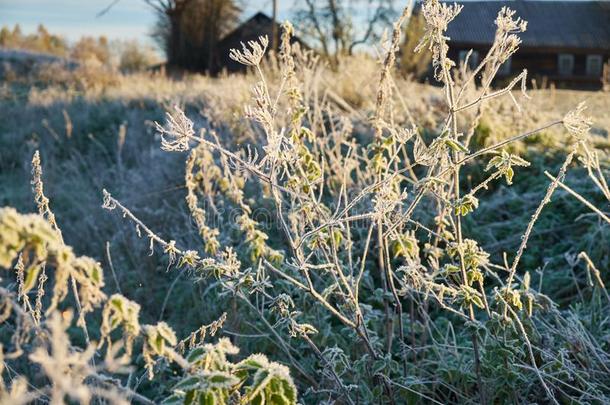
[(345, 244)]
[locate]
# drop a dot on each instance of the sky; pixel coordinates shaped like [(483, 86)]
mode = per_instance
[(127, 19)]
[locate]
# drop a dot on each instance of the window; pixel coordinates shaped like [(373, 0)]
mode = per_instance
[(565, 63), (473, 59), (594, 65), (504, 69)]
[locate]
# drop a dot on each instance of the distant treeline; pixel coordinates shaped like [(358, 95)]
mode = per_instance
[(128, 56)]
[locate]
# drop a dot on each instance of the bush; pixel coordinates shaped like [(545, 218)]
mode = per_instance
[(41, 41), (93, 51), (136, 58)]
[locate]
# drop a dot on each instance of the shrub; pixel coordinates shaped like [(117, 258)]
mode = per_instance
[(35, 244), (91, 50), (136, 58), (41, 41)]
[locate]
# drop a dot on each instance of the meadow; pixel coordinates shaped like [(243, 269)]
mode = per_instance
[(305, 233)]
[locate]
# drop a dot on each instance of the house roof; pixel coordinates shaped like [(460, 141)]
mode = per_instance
[(251, 29), (555, 24), (259, 24)]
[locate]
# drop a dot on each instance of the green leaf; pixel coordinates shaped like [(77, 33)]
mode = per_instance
[(221, 379), (159, 344), (30, 278), (259, 377), (509, 175), (474, 275), (494, 162), (451, 269), (196, 355), (456, 145), (337, 236), (190, 397), (117, 302), (476, 300), (166, 333), (187, 384)]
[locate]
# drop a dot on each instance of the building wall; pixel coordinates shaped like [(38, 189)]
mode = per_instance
[(542, 65)]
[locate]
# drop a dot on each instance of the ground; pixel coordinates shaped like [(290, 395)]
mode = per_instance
[(96, 131)]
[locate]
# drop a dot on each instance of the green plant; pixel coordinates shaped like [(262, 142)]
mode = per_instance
[(335, 268), (215, 380), (35, 244), (393, 253)]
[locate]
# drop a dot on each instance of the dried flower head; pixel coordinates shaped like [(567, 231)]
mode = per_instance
[(108, 202), (438, 16), (388, 198), (252, 54), (576, 122), (177, 132), (506, 33), (506, 23)]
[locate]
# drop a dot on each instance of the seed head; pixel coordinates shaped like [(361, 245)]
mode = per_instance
[(576, 122), (177, 131), (252, 53)]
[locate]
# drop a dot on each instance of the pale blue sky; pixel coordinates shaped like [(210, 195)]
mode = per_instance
[(72, 19)]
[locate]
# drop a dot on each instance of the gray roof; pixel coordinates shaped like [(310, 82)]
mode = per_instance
[(557, 24)]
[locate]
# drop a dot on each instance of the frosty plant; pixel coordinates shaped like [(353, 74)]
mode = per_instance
[(321, 183), (32, 245), (310, 170), (370, 281)]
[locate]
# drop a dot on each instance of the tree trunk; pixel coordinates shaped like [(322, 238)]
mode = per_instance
[(174, 50)]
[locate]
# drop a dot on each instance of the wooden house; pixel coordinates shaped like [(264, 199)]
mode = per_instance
[(566, 42), (251, 29)]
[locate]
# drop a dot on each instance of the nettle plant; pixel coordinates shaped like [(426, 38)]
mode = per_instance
[(39, 332), (360, 274), (363, 277)]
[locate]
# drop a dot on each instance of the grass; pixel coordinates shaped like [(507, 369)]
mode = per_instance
[(339, 225)]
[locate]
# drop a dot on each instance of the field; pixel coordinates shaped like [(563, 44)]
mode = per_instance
[(373, 238)]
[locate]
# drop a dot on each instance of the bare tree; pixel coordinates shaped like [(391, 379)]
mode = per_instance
[(189, 30), (338, 26)]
